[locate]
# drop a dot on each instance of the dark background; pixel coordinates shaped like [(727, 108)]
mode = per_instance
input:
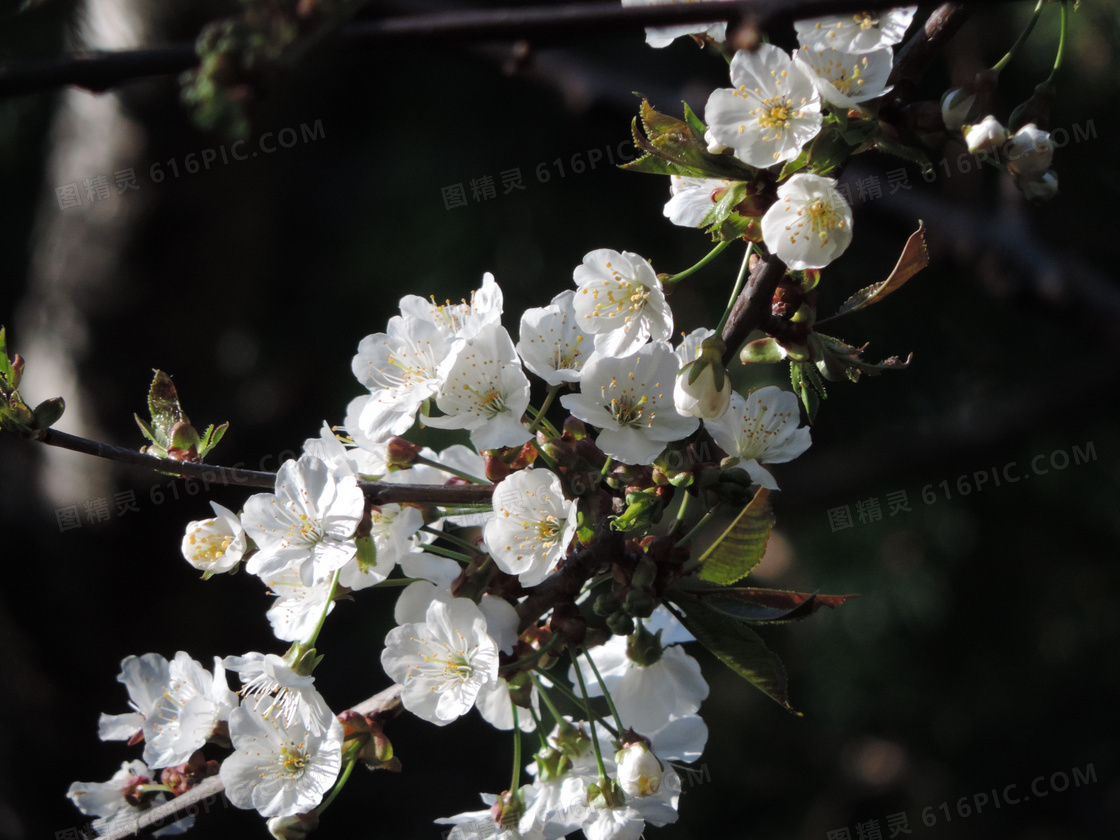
[(981, 652)]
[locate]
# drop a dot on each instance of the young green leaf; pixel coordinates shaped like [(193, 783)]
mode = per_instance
[(742, 545)]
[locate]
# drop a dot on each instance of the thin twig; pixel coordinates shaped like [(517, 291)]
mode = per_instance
[(99, 71), (376, 492)]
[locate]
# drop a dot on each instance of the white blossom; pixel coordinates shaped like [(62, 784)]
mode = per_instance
[(857, 32), (278, 767), (646, 696), (639, 771), (459, 320), (810, 224), (216, 545), (115, 802), (443, 662), (551, 343), (193, 703), (662, 36), (272, 688), (365, 460), (761, 429), (631, 400), (297, 609), (401, 368), (771, 110), (532, 527), (307, 524), (484, 391), (693, 199), (145, 678), (392, 528), (620, 301), (847, 79)]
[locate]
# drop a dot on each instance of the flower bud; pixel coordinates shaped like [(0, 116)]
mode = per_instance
[(1041, 189), (644, 647), (401, 453), (703, 388), (985, 136), (293, 828), (639, 771), (958, 107), (1029, 153), (620, 624), (764, 350)]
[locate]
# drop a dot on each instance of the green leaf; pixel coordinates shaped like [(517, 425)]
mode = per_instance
[(163, 403), (807, 385), (211, 438), (736, 645), (795, 165), (765, 606), (694, 122), (912, 260), (5, 362), (742, 545)]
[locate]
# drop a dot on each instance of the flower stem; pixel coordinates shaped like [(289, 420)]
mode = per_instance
[(473, 479), (687, 497), (552, 710), (547, 461), (711, 255), (607, 466), (459, 541), (538, 417), (1011, 53), (447, 552), (513, 783), (392, 582), (340, 784), (585, 706), (606, 693), (310, 641), (692, 532), (532, 657), (549, 397), (1061, 44), (594, 734), (538, 725), (738, 288)]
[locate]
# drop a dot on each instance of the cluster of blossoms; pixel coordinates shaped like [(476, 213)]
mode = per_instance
[(545, 540), (460, 642)]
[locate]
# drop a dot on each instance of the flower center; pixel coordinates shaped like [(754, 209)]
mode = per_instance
[(823, 220), (210, 548), (627, 413), (866, 20), (775, 112), (294, 759)]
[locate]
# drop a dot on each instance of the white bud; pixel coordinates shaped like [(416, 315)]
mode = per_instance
[(1029, 152), (639, 771), (701, 398), (956, 108), (986, 136)]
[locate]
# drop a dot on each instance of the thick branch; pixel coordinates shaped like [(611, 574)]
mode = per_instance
[(102, 70), (916, 55), (753, 307)]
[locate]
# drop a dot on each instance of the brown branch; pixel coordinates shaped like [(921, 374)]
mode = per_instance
[(99, 71), (206, 796), (753, 307), (376, 492), (916, 55)]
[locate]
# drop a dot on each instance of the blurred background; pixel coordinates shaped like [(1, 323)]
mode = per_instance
[(981, 653)]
